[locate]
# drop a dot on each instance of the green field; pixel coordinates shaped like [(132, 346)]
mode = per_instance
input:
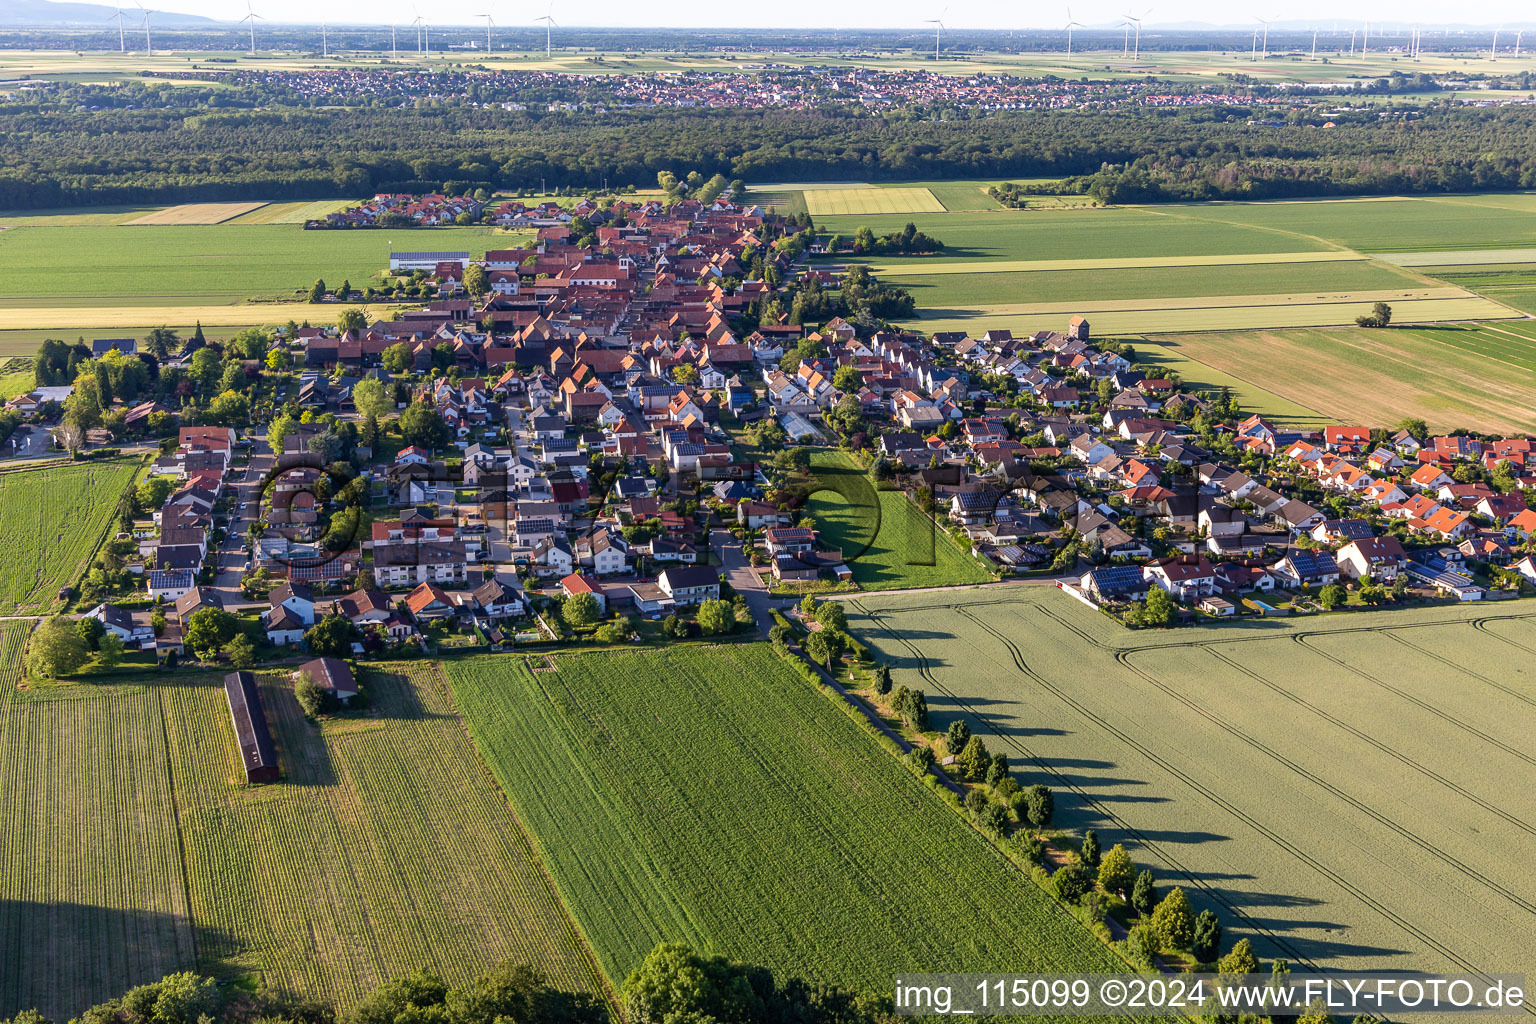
[(711, 796), (1387, 225), (1514, 285), (1476, 376), (133, 851), (199, 264), (1336, 788), (16, 375), (53, 519), (940, 295), (889, 547)]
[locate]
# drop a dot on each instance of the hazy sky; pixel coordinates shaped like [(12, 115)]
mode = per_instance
[(858, 13)]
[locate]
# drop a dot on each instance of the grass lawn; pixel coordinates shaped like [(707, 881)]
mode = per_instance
[(139, 852), (1336, 788), (1477, 376), (53, 520), (709, 795), (892, 545)]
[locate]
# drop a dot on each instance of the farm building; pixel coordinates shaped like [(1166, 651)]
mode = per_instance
[(257, 754), (333, 675)]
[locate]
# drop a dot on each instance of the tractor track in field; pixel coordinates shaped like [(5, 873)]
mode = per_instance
[(1188, 874), (1122, 656)]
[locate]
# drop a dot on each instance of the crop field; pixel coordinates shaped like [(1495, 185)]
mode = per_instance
[(1336, 788), (910, 269), (355, 868), (92, 897), (16, 376), (144, 852), (53, 519), (888, 546), (1306, 281), (1012, 235), (1460, 258), (1390, 225), (1477, 376), (711, 796), (871, 201), (293, 213), (196, 213), (196, 265), (1512, 284), (1233, 313)]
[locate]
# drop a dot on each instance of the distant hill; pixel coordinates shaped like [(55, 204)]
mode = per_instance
[(44, 13)]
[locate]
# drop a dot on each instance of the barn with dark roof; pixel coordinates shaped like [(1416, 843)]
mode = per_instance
[(257, 754)]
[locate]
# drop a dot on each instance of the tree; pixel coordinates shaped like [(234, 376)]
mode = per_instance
[(331, 637), (1160, 608), (1207, 942), (229, 409), (957, 735), (1331, 596), (1144, 893), (317, 293), (974, 759), (882, 679), (1174, 921), (808, 605), (312, 697), (278, 359), (208, 630), (1240, 961), (716, 617), (580, 610), (1117, 872), (421, 425), (1039, 806), (816, 646), (352, 319), (1415, 427), (109, 651), (831, 615), (846, 378), (475, 280), (912, 706), (997, 771), (372, 398), (240, 651), (1379, 316), (55, 650), (90, 631), (1090, 849), (1071, 882), (397, 358)]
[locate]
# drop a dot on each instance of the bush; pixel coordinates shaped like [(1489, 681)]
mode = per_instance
[(1174, 921), (312, 697), (1071, 882)]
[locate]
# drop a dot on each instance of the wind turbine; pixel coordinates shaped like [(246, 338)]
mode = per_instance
[(1493, 53), (549, 23), (394, 52), (1070, 26), (488, 24), (1365, 38), (122, 40), (250, 17), (418, 23), (938, 28), (1314, 44), (1125, 44), (325, 41), (1131, 19), (147, 48), (1265, 52), (1352, 42), (1518, 36)]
